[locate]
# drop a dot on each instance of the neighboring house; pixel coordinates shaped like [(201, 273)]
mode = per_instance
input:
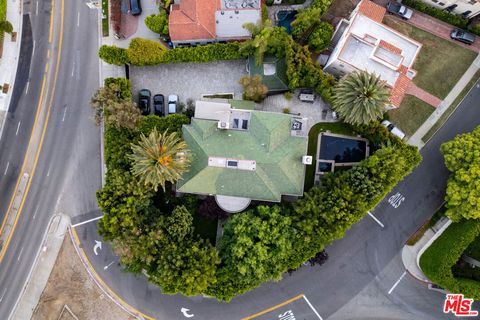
[(193, 22), (364, 43), (273, 72), (243, 155), (466, 8)]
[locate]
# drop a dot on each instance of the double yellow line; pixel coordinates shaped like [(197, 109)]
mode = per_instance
[(37, 115)]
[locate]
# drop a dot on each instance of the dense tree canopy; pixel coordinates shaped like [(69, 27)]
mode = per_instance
[(462, 158)]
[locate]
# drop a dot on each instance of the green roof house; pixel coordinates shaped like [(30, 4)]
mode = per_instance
[(243, 155), (273, 72)]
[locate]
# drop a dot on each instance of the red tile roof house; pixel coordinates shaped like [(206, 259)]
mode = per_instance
[(194, 22), (364, 43)]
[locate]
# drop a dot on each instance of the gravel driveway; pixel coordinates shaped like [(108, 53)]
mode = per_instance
[(190, 80)]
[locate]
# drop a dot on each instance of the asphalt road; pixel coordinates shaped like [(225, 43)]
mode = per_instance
[(357, 282), (68, 168)]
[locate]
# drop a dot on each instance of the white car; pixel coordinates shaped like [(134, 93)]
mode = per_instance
[(172, 103), (394, 130)]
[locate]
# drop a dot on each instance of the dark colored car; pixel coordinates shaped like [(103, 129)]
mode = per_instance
[(135, 7), (159, 104), (144, 97), (462, 36), (399, 10)]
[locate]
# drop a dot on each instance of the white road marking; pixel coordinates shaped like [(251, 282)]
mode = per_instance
[(20, 255), (33, 51), (35, 213), (376, 220), (36, 10), (73, 67), (396, 283), (78, 19), (87, 221), (18, 127), (48, 172), (6, 169), (3, 295), (315, 311), (108, 265), (64, 113), (26, 89)]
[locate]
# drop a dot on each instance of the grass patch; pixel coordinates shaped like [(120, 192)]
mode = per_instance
[(451, 108), (104, 18), (440, 63), (335, 127), (205, 228), (411, 115), (3, 16)]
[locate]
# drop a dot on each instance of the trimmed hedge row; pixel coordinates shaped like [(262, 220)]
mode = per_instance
[(437, 261), (443, 15), (143, 52)]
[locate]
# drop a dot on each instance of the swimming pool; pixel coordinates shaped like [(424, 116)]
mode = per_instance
[(285, 18), (339, 150)]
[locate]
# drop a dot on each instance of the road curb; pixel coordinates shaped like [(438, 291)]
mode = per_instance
[(100, 283)]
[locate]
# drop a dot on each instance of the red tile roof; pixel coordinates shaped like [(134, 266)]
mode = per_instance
[(372, 10), (390, 47), (193, 19), (399, 89)]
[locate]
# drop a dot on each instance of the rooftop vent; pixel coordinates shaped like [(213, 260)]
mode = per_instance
[(223, 125), (307, 159)]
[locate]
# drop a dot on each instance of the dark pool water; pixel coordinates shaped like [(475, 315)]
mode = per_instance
[(342, 150), (285, 18)]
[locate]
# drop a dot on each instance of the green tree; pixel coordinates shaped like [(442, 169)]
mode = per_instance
[(321, 37), (360, 97), (253, 87), (266, 40), (462, 158), (110, 106), (159, 158), (158, 23), (305, 21), (6, 26)]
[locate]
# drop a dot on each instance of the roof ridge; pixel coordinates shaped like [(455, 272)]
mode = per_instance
[(266, 180)]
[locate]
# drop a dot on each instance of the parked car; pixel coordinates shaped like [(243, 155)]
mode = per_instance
[(393, 129), (462, 36), (172, 103), (144, 97), (135, 7), (399, 10), (159, 104)]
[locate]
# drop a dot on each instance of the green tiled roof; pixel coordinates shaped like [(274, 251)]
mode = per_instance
[(279, 169), (276, 82)]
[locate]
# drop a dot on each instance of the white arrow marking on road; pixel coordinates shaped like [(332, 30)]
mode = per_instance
[(26, 89), (185, 313), (98, 245), (108, 265), (36, 10)]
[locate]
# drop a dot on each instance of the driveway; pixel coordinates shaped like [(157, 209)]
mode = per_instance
[(190, 80)]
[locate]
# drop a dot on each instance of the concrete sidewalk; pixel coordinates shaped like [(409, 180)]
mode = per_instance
[(9, 59), (411, 254), (416, 138)]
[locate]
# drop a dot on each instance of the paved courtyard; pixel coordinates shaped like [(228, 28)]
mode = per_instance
[(190, 80)]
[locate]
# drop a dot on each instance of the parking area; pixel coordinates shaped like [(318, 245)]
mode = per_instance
[(190, 80)]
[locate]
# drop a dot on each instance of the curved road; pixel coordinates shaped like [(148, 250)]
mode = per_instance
[(364, 277)]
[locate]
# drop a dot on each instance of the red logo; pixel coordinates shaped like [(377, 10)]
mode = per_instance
[(459, 306)]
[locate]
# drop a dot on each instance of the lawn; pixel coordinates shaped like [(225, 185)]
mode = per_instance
[(451, 108), (411, 114), (104, 18), (335, 127), (440, 63)]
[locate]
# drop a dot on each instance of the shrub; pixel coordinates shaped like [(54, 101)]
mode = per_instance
[(321, 37), (286, 110), (269, 2), (288, 95), (437, 261), (142, 52), (437, 13), (158, 23), (113, 55), (124, 84), (264, 12), (253, 88)]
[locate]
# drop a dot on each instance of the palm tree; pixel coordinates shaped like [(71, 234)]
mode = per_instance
[(360, 97), (159, 158), (6, 26), (261, 33)]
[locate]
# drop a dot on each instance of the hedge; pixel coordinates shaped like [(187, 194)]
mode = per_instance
[(437, 261), (142, 52), (440, 14)]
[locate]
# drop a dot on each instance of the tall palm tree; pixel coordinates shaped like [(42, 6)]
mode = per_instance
[(6, 26), (159, 158), (360, 97)]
